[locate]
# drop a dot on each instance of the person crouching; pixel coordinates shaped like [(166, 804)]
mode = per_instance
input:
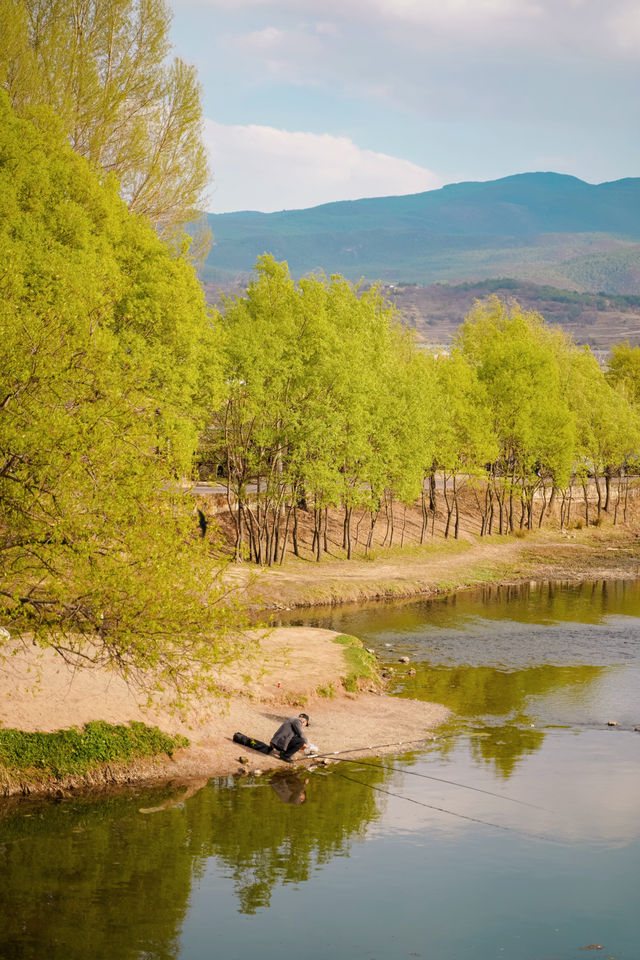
[(290, 737)]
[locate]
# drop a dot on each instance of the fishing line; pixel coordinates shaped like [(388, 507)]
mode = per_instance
[(425, 776), (462, 816)]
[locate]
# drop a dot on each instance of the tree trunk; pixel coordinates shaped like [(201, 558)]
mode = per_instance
[(425, 516), (599, 492), (456, 528), (585, 486), (317, 516), (449, 505), (544, 505), (289, 510), (296, 552), (433, 506), (374, 517), (347, 530)]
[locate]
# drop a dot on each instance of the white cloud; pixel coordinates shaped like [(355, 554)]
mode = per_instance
[(624, 26), (262, 168)]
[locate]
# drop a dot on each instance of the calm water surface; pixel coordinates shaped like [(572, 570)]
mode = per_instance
[(515, 835)]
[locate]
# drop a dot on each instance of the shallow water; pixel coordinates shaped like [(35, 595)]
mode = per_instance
[(519, 837)]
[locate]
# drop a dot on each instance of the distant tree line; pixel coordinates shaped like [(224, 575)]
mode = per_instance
[(330, 403)]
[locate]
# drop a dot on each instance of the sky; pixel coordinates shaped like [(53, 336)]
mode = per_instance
[(308, 102)]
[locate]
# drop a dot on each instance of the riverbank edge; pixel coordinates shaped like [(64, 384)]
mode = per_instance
[(320, 671), (590, 554), (598, 553)]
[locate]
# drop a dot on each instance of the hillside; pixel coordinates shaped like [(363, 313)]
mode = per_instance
[(546, 228), (599, 320), (436, 311)]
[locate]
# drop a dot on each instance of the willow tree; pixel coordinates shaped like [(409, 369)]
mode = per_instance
[(608, 432), (518, 360), (105, 349), (623, 371), (465, 440), (255, 433), (104, 68)]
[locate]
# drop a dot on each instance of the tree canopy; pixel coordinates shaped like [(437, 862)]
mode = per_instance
[(106, 348), (104, 70), (332, 404)]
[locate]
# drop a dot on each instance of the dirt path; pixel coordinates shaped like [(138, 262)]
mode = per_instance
[(594, 553)]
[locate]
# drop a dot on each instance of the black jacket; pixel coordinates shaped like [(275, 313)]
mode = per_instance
[(294, 727)]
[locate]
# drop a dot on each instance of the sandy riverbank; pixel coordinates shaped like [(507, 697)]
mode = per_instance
[(39, 692)]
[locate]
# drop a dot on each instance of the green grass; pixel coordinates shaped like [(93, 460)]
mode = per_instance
[(361, 665), (76, 751)]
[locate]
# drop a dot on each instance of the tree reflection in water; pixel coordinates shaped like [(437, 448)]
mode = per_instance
[(101, 879)]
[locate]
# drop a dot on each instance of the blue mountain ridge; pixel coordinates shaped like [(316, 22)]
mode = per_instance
[(533, 222)]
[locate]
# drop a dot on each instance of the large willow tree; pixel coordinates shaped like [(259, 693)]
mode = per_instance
[(105, 348), (104, 69)]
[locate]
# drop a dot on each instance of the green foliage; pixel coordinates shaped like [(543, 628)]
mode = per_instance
[(343, 411), (76, 751), (623, 371), (103, 69), (105, 351), (326, 415), (363, 665)]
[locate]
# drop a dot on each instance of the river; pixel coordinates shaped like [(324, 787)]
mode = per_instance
[(515, 834)]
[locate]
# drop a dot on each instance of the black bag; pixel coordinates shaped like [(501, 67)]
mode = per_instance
[(251, 742)]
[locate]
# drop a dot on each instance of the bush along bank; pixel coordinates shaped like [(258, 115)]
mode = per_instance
[(362, 666), (76, 757)]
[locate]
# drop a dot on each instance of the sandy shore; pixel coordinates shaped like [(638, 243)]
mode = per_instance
[(38, 691)]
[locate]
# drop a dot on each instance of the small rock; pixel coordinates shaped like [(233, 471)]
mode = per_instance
[(242, 771), (257, 773), (404, 660), (243, 759), (412, 672), (637, 729), (371, 651), (612, 723)]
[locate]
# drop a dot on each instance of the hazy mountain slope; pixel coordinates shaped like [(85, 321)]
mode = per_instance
[(545, 227)]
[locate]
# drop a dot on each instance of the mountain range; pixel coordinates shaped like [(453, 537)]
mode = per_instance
[(545, 228)]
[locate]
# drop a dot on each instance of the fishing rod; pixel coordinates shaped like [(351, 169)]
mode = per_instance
[(452, 813), (415, 773)]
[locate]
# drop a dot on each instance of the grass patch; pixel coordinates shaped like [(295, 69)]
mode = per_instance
[(361, 664), (75, 752), (328, 691)]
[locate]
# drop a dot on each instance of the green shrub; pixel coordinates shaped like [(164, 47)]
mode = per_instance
[(76, 751), (363, 665)]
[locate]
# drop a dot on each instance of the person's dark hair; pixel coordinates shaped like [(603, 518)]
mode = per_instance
[(305, 716)]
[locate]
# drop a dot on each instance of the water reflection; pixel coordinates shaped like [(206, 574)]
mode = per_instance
[(519, 831), (101, 878), (530, 603), (289, 788)]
